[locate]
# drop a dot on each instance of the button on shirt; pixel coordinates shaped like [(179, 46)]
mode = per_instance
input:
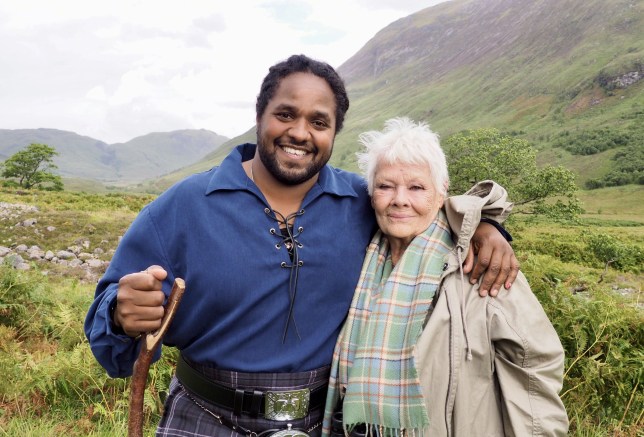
[(211, 229)]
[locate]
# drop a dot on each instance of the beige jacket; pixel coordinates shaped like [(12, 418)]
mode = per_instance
[(488, 366)]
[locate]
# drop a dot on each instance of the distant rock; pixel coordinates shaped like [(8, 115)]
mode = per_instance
[(22, 257)]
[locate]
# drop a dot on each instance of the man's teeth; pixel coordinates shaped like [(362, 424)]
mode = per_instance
[(293, 151)]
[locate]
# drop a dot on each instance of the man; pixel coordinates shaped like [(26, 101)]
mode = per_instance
[(270, 245)]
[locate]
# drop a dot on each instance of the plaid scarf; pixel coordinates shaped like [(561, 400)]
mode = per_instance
[(374, 355)]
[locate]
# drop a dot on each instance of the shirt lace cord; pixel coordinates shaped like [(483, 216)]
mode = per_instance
[(289, 240)]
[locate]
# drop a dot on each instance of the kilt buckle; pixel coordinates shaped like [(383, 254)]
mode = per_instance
[(286, 405), (289, 432)]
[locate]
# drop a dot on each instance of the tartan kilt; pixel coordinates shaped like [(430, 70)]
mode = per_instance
[(183, 417)]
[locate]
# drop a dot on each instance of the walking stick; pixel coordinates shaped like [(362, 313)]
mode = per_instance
[(150, 342)]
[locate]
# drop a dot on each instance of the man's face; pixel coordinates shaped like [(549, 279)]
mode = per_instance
[(296, 132)]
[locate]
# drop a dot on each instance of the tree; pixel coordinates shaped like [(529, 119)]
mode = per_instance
[(611, 251), (31, 168), (487, 154)]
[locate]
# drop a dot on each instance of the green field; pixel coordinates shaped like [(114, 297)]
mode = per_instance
[(51, 384)]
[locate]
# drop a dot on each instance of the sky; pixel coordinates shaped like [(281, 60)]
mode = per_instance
[(114, 70)]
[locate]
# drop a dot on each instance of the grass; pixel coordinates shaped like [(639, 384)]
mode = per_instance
[(74, 217), (51, 382), (52, 385), (615, 203)]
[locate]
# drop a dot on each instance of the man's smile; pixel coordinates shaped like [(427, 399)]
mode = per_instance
[(293, 151)]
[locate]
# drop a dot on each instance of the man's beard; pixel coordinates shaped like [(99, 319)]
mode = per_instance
[(288, 176)]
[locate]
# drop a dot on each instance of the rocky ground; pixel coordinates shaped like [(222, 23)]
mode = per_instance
[(90, 263)]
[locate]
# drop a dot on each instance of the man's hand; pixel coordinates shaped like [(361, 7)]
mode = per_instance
[(139, 301), (495, 257)]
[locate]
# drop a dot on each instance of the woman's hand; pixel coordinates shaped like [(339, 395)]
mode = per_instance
[(495, 258)]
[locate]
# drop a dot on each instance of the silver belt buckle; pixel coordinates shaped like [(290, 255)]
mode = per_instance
[(290, 432), (286, 405)]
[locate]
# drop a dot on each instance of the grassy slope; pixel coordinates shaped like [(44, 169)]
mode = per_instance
[(541, 84), (615, 203)]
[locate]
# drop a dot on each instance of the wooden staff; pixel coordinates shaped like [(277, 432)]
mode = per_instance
[(150, 342)]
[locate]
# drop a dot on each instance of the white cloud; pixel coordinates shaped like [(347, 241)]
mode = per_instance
[(115, 70)]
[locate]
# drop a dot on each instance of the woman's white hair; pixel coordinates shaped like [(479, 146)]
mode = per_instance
[(403, 142)]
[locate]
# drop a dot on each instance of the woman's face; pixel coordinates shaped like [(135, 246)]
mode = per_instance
[(405, 200)]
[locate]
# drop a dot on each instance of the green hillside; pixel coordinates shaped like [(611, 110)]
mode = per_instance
[(549, 71), (88, 164), (538, 68)]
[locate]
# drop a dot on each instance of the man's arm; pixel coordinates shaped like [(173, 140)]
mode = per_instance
[(114, 313)]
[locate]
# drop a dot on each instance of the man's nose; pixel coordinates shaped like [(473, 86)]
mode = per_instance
[(299, 130)]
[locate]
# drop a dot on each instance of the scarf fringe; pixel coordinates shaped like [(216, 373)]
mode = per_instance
[(381, 431)]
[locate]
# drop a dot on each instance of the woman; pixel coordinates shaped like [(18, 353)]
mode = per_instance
[(421, 353)]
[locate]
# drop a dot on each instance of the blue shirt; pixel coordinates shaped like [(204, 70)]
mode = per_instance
[(212, 230)]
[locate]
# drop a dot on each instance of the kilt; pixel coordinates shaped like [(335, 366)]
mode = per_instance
[(183, 417)]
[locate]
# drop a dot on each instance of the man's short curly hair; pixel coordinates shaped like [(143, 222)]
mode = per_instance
[(304, 64)]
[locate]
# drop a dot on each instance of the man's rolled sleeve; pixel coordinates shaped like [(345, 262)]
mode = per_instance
[(114, 351)]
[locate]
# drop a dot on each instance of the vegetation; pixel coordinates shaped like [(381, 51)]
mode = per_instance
[(603, 335), (597, 313), (589, 142), (626, 165), (31, 168), (628, 169), (611, 251), (42, 346), (488, 154), (46, 361)]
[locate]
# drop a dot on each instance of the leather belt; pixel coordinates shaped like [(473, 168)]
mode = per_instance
[(272, 404)]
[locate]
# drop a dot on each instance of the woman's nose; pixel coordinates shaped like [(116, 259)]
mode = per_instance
[(401, 196)]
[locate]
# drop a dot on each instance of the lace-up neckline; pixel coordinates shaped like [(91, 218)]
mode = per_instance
[(289, 234)]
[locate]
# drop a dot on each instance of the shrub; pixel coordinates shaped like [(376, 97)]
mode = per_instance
[(610, 251), (45, 359), (603, 337), (15, 296), (592, 141), (628, 169)]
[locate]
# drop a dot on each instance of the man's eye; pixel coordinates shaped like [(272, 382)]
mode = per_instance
[(416, 188), (319, 124), (284, 115)]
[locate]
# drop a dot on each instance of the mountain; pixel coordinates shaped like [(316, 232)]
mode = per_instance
[(141, 158), (550, 71), (159, 184), (563, 74), (539, 68)]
